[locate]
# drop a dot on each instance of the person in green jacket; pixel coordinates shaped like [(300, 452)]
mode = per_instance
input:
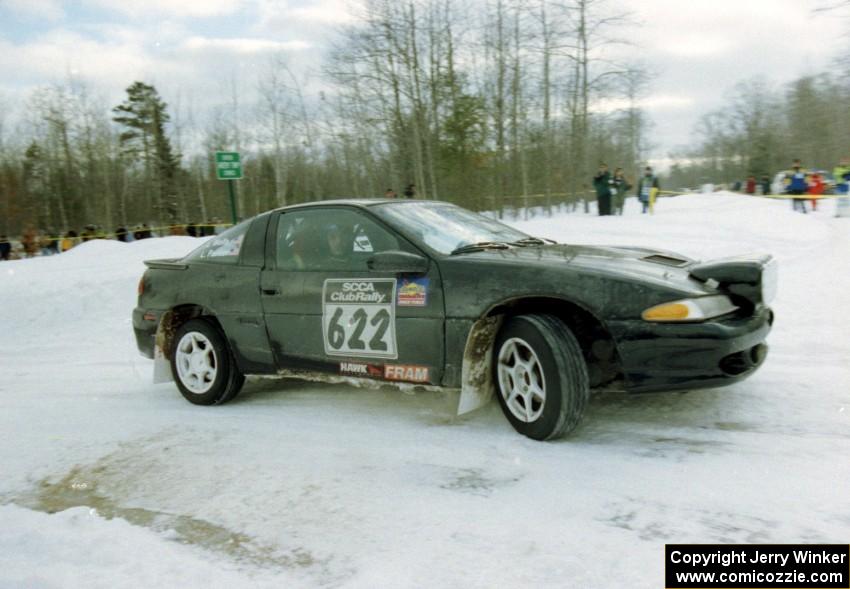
[(842, 188), (602, 183), (841, 173)]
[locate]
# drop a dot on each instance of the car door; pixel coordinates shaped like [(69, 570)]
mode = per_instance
[(326, 310), (223, 276)]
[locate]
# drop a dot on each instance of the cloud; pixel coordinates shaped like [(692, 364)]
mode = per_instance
[(278, 15), (48, 10), (57, 54), (664, 102), (696, 45), (703, 48), (171, 8), (243, 45)]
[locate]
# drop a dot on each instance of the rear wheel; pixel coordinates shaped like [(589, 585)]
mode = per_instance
[(541, 376), (202, 365)]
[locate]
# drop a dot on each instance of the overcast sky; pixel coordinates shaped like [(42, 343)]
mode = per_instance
[(697, 49)]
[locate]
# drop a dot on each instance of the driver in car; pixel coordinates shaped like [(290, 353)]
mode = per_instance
[(339, 244)]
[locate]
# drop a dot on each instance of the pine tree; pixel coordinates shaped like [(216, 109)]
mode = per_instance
[(144, 115)]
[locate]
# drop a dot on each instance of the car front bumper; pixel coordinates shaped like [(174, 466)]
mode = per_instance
[(679, 357)]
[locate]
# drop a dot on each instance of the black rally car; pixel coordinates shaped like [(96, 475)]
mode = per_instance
[(432, 294)]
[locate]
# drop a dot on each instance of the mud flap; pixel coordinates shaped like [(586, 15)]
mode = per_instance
[(477, 372), (161, 367)]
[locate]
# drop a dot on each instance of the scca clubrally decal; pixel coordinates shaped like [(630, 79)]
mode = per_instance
[(358, 317)]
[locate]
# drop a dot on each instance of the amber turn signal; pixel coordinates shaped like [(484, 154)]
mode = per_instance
[(667, 312)]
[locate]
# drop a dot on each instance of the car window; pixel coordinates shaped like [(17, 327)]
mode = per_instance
[(224, 248), (329, 240)]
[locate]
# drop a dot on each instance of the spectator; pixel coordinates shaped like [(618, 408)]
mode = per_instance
[(87, 233), (842, 187), (603, 183), (69, 241), (121, 234), (29, 241), (750, 187), (797, 186), (410, 191), (192, 230), (816, 188), (621, 187), (645, 187), (205, 229), (842, 177), (765, 184), (390, 193), (5, 248), (45, 243)]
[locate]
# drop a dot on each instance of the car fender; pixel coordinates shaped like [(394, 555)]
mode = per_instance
[(477, 385), (168, 324)]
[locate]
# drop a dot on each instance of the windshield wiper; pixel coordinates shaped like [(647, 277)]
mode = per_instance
[(529, 241), (481, 245)]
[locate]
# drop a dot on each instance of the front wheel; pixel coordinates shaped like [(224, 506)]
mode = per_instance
[(202, 365), (541, 376)]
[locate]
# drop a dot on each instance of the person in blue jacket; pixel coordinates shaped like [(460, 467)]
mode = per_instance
[(645, 186), (797, 185)]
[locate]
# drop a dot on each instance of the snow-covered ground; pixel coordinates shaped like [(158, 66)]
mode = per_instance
[(111, 481)]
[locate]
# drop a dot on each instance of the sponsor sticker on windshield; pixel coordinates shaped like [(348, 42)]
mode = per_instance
[(412, 292)]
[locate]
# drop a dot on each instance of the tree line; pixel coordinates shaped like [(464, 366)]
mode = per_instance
[(760, 130), (480, 108)]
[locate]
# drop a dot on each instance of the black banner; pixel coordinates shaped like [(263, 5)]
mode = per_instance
[(757, 566)]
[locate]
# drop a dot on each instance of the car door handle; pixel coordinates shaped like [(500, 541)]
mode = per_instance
[(271, 291)]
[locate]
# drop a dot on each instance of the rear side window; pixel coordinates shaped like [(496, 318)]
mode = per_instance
[(224, 248)]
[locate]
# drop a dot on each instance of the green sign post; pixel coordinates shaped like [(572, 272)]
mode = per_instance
[(228, 167)]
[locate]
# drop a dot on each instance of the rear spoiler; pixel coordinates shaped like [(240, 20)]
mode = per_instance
[(166, 264), (753, 277)]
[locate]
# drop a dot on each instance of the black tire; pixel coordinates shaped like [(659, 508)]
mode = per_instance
[(546, 344), (202, 338)]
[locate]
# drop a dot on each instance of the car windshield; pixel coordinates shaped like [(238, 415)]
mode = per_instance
[(445, 227)]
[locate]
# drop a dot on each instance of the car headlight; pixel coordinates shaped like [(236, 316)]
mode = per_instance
[(698, 309)]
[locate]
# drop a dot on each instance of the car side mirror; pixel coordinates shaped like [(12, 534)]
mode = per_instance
[(398, 262)]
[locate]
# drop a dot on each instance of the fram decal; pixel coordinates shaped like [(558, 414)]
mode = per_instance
[(412, 292), (406, 372), (358, 369)]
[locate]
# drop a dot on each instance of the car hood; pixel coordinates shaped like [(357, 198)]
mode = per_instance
[(659, 267)]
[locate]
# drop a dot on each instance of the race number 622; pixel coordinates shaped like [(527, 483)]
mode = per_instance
[(358, 318)]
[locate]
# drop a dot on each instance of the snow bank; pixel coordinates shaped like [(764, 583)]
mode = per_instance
[(699, 225)]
